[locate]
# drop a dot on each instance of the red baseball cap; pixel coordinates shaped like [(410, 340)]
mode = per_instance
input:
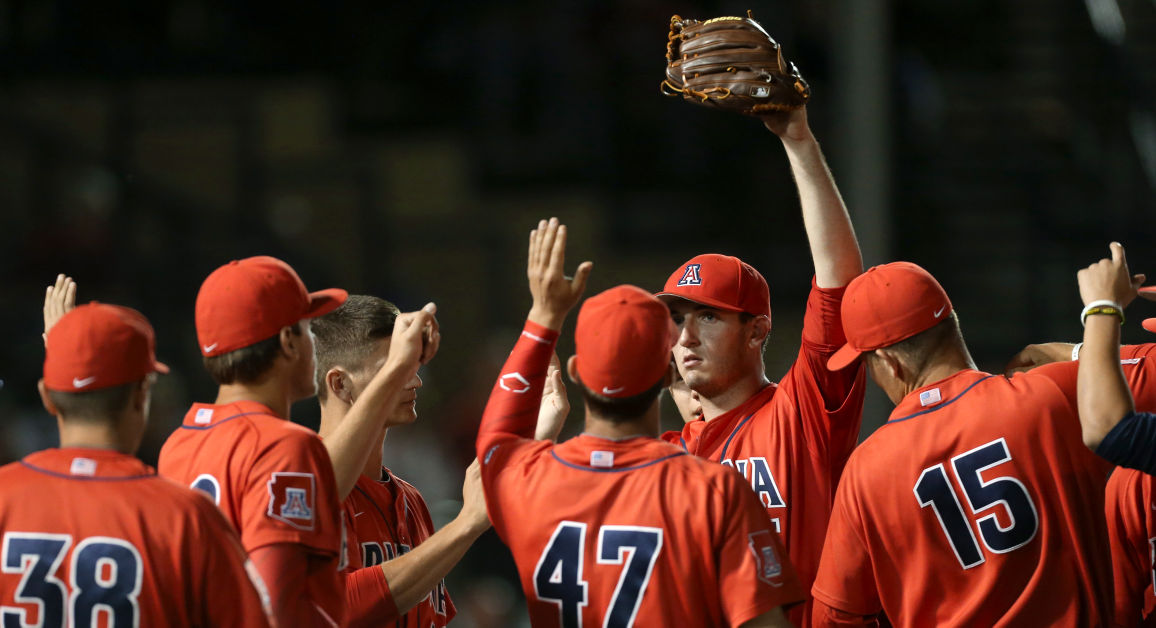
[(885, 305), (99, 346), (1149, 292), (721, 281), (250, 300), (623, 341)]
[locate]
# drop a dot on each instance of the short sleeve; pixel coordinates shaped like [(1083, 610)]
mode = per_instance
[(755, 575), (505, 467), (231, 592), (1128, 540), (291, 497), (1131, 443), (845, 579)]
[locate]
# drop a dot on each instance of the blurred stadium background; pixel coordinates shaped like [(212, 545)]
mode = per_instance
[(404, 150)]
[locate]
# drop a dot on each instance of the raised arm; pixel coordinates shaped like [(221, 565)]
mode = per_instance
[(415, 341), (834, 247), (513, 409), (1106, 287)]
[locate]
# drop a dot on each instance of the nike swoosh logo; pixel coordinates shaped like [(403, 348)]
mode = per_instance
[(209, 348), (612, 391), (81, 383), (936, 315)]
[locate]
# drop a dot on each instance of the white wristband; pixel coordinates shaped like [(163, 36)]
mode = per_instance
[(1076, 351), (1099, 303)]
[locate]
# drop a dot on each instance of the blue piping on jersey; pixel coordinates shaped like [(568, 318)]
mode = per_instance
[(206, 427), (940, 406), (634, 468), (84, 478), (723, 455)]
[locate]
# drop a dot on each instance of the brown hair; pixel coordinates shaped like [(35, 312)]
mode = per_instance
[(345, 337)]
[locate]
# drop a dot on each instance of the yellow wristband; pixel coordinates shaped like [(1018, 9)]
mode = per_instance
[(1101, 307)]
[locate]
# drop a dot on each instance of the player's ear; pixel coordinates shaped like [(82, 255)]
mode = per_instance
[(572, 369), (339, 384), (45, 399), (759, 329), (671, 375), (290, 336)]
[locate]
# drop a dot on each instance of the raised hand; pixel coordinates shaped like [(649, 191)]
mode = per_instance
[(555, 406), (415, 338), (1038, 355), (1109, 279), (554, 294), (59, 300)]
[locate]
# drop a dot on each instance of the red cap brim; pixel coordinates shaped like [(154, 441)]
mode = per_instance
[(844, 357), (160, 367), (1148, 292), (667, 297), (1150, 324), (323, 302)]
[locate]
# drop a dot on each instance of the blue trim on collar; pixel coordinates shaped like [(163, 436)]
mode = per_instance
[(207, 427), (88, 478), (942, 405), (597, 470), (723, 455)]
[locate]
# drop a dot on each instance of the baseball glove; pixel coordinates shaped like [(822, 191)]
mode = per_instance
[(731, 63)]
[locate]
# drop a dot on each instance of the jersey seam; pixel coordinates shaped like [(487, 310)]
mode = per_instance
[(68, 476), (619, 470), (225, 420), (942, 405)]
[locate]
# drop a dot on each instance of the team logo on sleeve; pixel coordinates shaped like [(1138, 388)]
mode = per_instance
[(766, 559), (514, 382), (291, 499), (690, 276)]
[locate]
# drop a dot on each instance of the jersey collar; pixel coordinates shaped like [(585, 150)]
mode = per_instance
[(937, 395), (705, 436), (86, 463), (203, 415)]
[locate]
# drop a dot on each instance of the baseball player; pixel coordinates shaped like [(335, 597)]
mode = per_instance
[(790, 440), (614, 527), (89, 535), (274, 480), (977, 503), (397, 562)]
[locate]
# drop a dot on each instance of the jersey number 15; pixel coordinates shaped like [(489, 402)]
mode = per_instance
[(935, 489), (558, 576)]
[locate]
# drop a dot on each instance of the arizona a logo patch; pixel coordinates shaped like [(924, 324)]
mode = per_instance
[(766, 559), (291, 499), (690, 276)]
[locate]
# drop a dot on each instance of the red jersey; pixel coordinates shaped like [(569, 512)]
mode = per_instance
[(92, 537), (792, 439), (976, 504), (387, 518), (271, 478), (616, 532)]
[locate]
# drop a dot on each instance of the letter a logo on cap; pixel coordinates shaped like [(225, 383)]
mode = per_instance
[(690, 276)]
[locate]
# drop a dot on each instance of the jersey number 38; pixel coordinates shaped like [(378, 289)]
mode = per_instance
[(934, 489), (558, 576)]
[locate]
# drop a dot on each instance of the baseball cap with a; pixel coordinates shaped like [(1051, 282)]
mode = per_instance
[(888, 304), (720, 281), (250, 300), (622, 342), (99, 346)]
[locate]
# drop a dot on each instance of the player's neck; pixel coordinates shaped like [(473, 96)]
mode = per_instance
[(733, 397), (373, 465), (270, 392), (947, 364), (645, 425), (92, 435)]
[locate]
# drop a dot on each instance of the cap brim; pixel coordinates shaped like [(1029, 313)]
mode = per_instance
[(1150, 324), (667, 297), (1148, 292), (323, 302), (160, 367), (844, 357)]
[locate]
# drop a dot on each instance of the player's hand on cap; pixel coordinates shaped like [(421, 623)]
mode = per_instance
[(555, 406), (474, 499), (554, 293), (59, 300), (1038, 355), (415, 338), (1109, 279)]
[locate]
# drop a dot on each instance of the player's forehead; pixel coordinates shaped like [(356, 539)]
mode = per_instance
[(682, 307)]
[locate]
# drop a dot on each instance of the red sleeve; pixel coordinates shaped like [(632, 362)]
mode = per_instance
[(823, 616), (755, 575), (285, 569), (830, 402), (1137, 362), (291, 497), (368, 601), (1127, 536), (845, 579), (230, 591), (512, 411)]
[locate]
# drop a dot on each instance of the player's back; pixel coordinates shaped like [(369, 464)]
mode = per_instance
[(979, 505), (93, 537), (612, 532)]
